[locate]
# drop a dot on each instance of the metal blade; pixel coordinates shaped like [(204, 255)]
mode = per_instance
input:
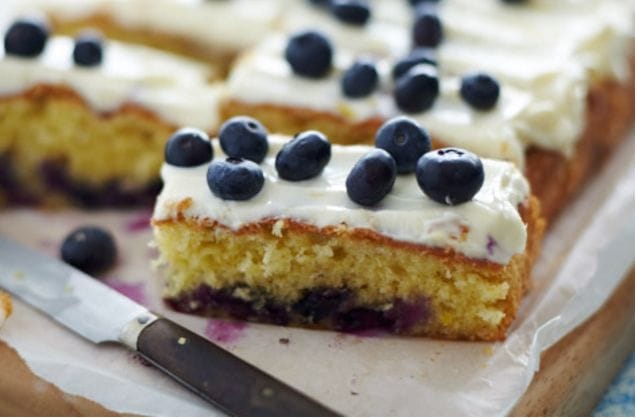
[(69, 296)]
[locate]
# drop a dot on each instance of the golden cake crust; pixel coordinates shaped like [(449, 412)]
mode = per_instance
[(339, 257)]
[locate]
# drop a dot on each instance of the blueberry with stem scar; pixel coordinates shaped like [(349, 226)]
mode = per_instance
[(235, 179), (450, 176)]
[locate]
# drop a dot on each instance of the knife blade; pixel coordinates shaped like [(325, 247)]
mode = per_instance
[(100, 314)]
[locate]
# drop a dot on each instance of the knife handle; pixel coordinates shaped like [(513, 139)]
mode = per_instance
[(220, 377)]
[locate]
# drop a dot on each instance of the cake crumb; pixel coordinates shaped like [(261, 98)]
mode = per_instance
[(488, 350), (351, 392), (182, 341), (284, 341), (277, 228)]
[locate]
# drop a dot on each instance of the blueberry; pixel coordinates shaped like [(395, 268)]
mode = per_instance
[(304, 157), (416, 3), (417, 90), (354, 12), (88, 50), (235, 179), (188, 148), (480, 91), (372, 177), (450, 175), (415, 57), (26, 38), (427, 30), (405, 140), (90, 249), (320, 3), (309, 53), (360, 80), (244, 137)]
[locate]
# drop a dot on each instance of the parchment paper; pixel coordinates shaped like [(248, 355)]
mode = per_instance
[(585, 255)]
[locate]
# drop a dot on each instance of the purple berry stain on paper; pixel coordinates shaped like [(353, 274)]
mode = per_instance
[(139, 222), (225, 332), (133, 291)]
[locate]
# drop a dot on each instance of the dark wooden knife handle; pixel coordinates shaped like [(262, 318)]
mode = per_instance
[(220, 377)]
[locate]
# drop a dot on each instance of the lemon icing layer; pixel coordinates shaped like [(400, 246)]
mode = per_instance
[(487, 228), (173, 88)]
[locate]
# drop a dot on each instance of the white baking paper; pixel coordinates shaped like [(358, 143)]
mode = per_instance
[(585, 255)]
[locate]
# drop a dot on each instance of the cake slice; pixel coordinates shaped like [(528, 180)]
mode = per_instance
[(288, 244), (85, 120), (5, 307)]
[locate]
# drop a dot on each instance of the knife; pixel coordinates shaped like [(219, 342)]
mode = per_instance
[(100, 314)]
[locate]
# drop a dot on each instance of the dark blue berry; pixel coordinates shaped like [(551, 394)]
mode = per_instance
[(321, 303), (26, 38), (417, 90), (235, 179), (480, 91), (320, 3), (450, 175), (415, 57), (88, 50), (244, 137), (188, 148), (354, 12), (304, 157), (360, 80), (417, 3), (427, 30), (372, 177), (309, 53), (405, 140), (90, 249)]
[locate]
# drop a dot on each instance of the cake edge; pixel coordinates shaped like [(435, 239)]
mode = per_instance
[(522, 262)]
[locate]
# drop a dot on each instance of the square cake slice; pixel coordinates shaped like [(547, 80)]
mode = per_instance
[(304, 253)]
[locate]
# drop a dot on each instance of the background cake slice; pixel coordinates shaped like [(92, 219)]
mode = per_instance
[(90, 127), (564, 75), (304, 253)]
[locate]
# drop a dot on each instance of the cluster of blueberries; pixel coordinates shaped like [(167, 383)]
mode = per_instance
[(310, 54), (416, 82), (448, 176), (27, 38)]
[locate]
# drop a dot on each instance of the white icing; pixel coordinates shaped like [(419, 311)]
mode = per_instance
[(175, 89), (380, 36), (264, 76), (406, 214)]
